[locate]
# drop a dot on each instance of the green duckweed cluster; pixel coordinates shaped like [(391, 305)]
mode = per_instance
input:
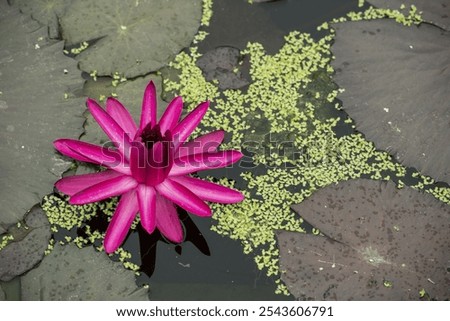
[(64, 217), (406, 16), (289, 100), (77, 50), (5, 240)]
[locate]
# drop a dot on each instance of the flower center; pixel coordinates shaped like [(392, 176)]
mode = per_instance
[(160, 154), (151, 135)]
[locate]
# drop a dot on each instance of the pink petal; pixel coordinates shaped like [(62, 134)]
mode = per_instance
[(167, 220), (200, 162), (103, 190), (183, 197), (121, 221), (121, 115), (148, 115), (207, 143), (185, 128), (61, 146), (73, 184), (93, 154), (147, 207), (117, 135), (160, 162), (209, 191), (139, 161), (171, 116)]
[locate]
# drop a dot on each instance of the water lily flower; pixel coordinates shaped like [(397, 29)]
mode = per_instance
[(149, 167)]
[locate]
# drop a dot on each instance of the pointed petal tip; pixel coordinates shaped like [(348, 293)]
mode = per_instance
[(75, 201), (57, 144), (236, 155), (149, 108), (57, 184), (109, 246), (239, 197), (91, 103), (150, 89), (60, 142), (177, 238), (204, 105)]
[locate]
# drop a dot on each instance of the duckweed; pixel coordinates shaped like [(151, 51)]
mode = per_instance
[(63, 215), (5, 240)]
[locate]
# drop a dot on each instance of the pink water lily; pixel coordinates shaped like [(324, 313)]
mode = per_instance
[(149, 167)]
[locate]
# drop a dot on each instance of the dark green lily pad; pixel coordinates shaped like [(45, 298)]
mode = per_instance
[(28, 247), (433, 11), (380, 243), (129, 93), (44, 11), (37, 106), (132, 38), (222, 64), (72, 274), (396, 89)]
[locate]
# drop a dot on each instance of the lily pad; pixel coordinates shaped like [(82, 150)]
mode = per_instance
[(44, 11), (37, 105), (132, 39), (222, 64), (433, 11), (72, 274), (28, 247), (396, 89), (129, 93), (380, 243)]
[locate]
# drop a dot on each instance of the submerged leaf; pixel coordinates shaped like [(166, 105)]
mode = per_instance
[(222, 64), (396, 89), (69, 273), (132, 39), (434, 11), (380, 243), (36, 106)]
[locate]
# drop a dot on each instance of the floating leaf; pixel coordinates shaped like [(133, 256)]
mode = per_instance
[(44, 11), (28, 246), (396, 89), (381, 243), (36, 106), (69, 273), (222, 64), (130, 38), (434, 11)]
